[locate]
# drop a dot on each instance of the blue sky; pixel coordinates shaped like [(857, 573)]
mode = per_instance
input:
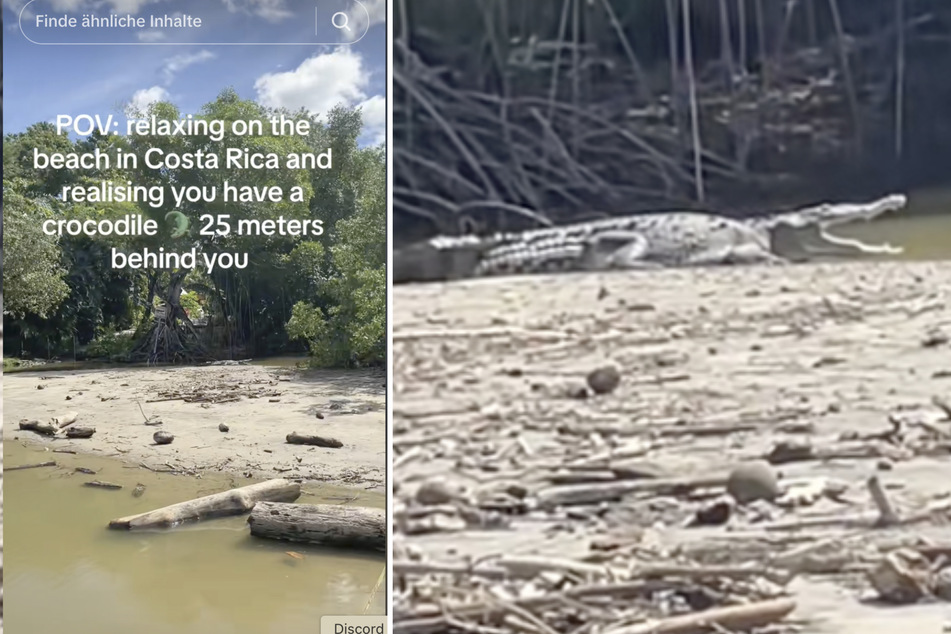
[(182, 66)]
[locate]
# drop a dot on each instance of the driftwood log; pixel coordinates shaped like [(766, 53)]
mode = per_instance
[(51, 428), (80, 432), (294, 438), (321, 524), (46, 429), (99, 484), (233, 502)]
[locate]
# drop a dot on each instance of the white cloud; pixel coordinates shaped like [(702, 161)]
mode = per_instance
[(150, 36), (322, 82), (318, 84), (374, 118), (270, 10), (144, 98), (178, 63), (375, 10)]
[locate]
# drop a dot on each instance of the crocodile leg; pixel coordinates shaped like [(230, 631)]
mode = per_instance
[(617, 249), (745, 253)]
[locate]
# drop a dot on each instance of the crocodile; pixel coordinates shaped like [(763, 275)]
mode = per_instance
[(648, 241)]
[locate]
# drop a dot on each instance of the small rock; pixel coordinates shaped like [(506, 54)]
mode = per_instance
[(884, 465), (753, 481), (223, 428), (319, 415), (716, 513), (162, 437), (604, 380), (435, 492), (138, 490)]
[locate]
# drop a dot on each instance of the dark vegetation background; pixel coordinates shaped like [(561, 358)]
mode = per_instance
[(323, 296), (508, 113)]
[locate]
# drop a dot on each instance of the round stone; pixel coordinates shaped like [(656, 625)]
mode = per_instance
[(753, 481), (604, 380), (435, 492)]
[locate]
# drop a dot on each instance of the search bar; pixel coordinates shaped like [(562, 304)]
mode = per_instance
[(338, 23), (351, 24)]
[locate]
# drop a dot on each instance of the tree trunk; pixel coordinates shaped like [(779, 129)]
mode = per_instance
[(172, 336), (233, 502), (321, 525)]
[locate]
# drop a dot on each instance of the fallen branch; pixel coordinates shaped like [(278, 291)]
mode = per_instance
[(37, 465), (571, 494), (886, 512), (432, 623), (102, 485), (65, 420), (46, 429), (734, 618), (321, 524), (233, 502)]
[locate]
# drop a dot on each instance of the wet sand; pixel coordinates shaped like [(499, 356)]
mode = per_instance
[(483, 366), (260, 406)]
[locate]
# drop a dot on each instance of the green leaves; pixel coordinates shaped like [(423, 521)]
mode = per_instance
[(33, 278), (353, 330)]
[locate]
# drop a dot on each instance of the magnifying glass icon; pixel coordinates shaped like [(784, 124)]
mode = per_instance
[(343, 22)]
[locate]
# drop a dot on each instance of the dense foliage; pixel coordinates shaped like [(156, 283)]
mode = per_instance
[(511, 113), (62, 293)]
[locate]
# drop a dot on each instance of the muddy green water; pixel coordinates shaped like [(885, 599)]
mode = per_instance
[(65, 572), (923, 236)]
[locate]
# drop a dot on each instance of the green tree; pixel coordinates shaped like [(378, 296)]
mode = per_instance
[(353, 329), (33, 277)]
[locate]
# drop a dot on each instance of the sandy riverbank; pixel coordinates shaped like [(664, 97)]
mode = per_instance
[(485, 369), (260, 406)]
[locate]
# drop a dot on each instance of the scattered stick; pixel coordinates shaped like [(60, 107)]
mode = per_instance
[(99, 484), (37, 465), (734, 618), (886, 512), (943, 404), (433, 623), (572, 494)]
